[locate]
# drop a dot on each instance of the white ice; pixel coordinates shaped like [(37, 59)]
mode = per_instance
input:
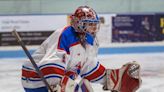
[(152, 71)]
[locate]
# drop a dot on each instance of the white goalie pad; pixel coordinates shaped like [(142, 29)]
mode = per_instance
[(69, 85), (56, 88), (125, 79), (85, 86), (66, 85)]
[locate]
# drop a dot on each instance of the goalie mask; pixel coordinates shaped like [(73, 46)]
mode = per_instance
[(85, 20)]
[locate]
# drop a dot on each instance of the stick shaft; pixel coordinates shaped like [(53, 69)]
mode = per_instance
[(18, 38)]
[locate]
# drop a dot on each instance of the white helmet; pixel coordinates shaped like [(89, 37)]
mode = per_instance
[(85, 20)]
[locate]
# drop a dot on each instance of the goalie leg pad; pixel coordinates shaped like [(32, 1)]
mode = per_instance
[(85, 86), (68, 85), (55, 88), (125, 79)]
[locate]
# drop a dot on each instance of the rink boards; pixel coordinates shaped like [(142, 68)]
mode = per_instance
[(122, 48)]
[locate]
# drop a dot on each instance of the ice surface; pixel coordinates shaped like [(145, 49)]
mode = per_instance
[(152, 71)]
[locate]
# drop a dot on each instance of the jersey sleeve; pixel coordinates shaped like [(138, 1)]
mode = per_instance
[(92, 70), (51, 62)]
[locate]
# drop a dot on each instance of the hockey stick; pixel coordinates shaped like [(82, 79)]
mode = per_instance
[(19, 40)]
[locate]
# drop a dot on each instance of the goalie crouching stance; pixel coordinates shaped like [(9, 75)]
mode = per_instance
[(72, 51)]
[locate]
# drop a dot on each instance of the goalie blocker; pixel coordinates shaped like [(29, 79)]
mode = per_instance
[(125, 79)]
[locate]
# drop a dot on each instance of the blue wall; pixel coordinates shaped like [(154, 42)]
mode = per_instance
[(102, 51)]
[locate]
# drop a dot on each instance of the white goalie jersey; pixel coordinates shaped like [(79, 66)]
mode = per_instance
[(62, 54)]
